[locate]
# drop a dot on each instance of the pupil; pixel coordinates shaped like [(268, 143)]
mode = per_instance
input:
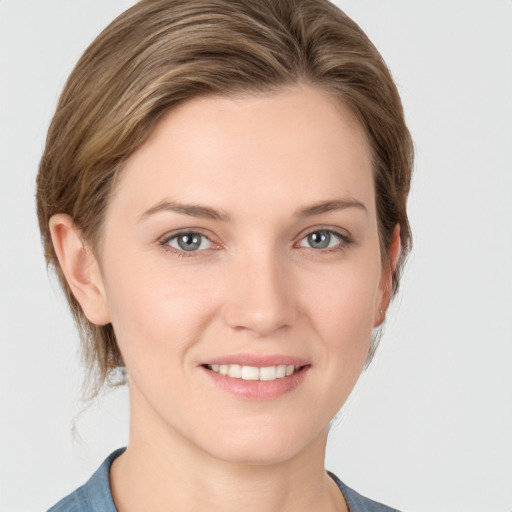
[(189, 241), (319, 240)]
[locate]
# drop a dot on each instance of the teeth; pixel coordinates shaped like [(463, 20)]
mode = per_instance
[(250, 373), (237, 371), (268, 373)]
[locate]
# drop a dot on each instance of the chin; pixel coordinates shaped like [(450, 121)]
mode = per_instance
[(265, 445)]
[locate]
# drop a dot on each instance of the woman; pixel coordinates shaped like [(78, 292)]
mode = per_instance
[(223, 197)]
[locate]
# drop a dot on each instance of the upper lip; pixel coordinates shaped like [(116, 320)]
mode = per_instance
[(259, 360)]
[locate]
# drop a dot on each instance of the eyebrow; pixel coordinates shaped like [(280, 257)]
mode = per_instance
[(206, 212), (193, 210), (329, 206)]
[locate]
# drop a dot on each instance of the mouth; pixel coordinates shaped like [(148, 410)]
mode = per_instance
[(255, 373), (256, 376)]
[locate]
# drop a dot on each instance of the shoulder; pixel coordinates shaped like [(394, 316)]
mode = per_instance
[(94, 495), (77, 501), (358, 503)]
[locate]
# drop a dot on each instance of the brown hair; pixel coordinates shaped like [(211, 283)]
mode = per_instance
[(160, 53)]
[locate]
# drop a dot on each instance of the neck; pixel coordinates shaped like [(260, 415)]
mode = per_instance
[(162, 470)]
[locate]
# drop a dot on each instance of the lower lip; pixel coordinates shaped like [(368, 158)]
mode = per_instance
[(258, 389)]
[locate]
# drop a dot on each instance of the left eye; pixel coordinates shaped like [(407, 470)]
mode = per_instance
[(189, 242), (321, 239)]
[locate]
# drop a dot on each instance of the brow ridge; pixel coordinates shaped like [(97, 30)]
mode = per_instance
[(206, 212), (193, 210), (329, 206)]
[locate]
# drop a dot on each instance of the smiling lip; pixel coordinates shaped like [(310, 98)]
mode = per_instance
[(255, 377)]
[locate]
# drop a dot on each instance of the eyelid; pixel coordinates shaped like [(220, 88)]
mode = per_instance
[(181, 231), (202, 241), (344, 237), (164, 240)]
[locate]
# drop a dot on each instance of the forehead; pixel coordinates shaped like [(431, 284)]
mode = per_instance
[(296, 145)]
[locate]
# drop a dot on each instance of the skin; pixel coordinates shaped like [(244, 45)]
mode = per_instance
[(255, 286)]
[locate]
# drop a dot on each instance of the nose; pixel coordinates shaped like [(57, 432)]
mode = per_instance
[(262, 298)]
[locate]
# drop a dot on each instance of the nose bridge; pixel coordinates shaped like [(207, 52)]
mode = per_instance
[(261, 295)]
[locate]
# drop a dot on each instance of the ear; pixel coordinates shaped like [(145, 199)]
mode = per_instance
[(80, 268), (386, 282)]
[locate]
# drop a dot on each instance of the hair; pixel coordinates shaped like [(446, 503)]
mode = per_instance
[(160, 53)]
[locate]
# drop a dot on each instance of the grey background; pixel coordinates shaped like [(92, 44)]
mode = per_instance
[(429, 426)]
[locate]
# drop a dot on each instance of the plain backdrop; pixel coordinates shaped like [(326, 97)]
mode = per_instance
[(429, 426)]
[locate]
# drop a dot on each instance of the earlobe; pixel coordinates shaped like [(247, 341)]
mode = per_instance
[(80, 268), (388, 272)]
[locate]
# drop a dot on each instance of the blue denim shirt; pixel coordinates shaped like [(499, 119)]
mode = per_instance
[(95, 495)]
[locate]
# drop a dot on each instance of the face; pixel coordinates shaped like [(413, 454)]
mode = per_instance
[(241, 271)]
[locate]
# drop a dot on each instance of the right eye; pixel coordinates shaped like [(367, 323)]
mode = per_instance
[(189, 242)]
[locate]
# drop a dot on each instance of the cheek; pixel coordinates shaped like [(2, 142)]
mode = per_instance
[(156, 313), (343, 309)]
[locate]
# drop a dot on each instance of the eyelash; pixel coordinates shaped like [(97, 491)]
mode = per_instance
[(164, 243), (344, 242)]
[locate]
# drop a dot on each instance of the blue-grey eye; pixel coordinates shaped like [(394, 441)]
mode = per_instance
[(321, 239), (190, 242)]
